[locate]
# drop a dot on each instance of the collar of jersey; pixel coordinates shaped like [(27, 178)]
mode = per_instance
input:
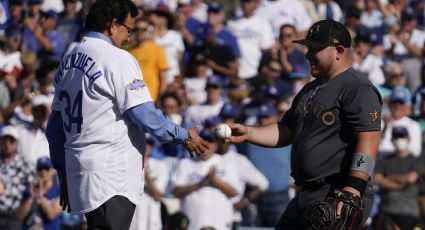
[(98, 35)]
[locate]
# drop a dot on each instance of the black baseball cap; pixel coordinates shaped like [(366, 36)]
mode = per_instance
[(326, 33)]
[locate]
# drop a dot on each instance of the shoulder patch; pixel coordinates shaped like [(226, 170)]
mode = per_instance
[(136, 84), (375, 116)]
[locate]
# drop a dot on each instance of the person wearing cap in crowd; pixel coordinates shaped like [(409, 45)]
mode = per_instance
[(196, 114), (399, 103), (334, 121), (40, 206), (274, 164), (205, 187), (254, 35), (151, 58), (34, 133), (397, 177), (168, 38), (16, 173), (219, 57), (405, 45), (248, 175), (43, 38), (216, 18), (195, 84), (366, 61), (70, 22)]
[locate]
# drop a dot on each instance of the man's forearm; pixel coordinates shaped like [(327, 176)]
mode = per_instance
[(270, 136)]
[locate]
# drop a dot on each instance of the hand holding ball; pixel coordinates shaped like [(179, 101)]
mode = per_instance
[(223, 131)]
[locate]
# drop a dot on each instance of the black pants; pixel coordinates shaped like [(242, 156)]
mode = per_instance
[(9, 222), (115, 214), (290, 219)]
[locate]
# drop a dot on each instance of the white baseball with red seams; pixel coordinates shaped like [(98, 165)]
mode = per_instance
[(223, 131)]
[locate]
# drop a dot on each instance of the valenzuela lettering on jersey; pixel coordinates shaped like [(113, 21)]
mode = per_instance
[(79, 61)]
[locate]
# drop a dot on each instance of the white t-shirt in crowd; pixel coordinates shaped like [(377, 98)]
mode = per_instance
[(196, 114), (283, 12), (32, 143), (94, 86), (11, 62), (207, 206), (415, 134), (372, 66), (195, 89), (247, 174), (417, 39), (172, 43), (253, 34)]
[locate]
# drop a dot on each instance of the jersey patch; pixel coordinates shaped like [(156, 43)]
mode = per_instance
[(375, 116), (136, 84)]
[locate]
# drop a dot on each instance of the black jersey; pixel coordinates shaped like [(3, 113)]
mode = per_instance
[(323, 118)]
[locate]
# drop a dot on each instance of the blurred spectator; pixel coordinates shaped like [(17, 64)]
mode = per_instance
[(311, 10), (40, 207), (148, 215), (34, 134), (217, 18), (248, 175), (405, 46), (373, 19), (151, 59), (166, 37), (45, 77), (44, 39), (16, 10), (400, 101), (418, 98), (366, 62), (397, 177), (288, 54), (275, 165), (281, 12), (254, 35), (352, 21), (69, 22), (187, 24), (329, 9), (195, 84), (33, 9), (205, 186), (10, 56), (219, 57), (199, 10), (196, 114), (16, 173)]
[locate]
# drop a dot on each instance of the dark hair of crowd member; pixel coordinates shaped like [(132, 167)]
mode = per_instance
[(103, 12)]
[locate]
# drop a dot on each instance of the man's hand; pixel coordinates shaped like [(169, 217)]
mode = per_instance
[(195, 144), (240, 133), (63, 201)]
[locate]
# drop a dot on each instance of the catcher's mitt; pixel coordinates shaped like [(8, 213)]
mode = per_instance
[(322, 215)]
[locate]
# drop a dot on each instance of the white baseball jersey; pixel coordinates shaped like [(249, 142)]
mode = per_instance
[(253, 35), (94, 85), (207, 206), (247, 174)]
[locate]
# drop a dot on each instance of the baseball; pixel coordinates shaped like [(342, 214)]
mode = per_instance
[(223, 131)]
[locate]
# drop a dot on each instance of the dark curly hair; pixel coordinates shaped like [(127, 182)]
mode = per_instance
[(103, 12)]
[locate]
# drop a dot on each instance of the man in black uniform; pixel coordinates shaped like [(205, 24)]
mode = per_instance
[(333, 126)]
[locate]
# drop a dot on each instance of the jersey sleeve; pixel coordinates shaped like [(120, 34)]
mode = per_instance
[(130, 89), (361, 108)]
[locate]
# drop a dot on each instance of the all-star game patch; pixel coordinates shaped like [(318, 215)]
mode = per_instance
[(136, 84), (375, 116)]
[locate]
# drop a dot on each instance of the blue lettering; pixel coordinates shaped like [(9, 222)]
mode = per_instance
[(78, 61)]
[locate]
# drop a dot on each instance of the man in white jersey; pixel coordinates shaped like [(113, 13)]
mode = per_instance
[(100, 112)]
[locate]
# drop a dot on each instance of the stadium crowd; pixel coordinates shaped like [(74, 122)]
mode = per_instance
[(205, 63)]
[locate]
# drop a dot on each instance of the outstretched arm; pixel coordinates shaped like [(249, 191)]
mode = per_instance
[(273, 135)]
